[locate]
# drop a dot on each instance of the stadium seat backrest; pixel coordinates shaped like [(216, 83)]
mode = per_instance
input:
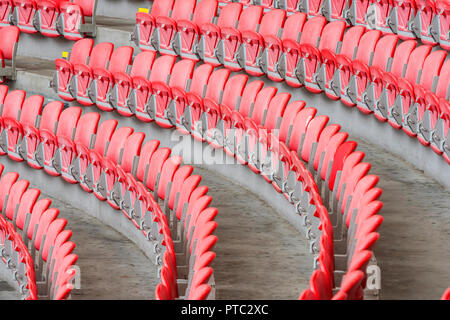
[(101, 54), (444, 77), (216, 84), (233, 90), (13, 104), (86, 128), (415, 64), (50, 116), (271, 22), (351, 40), (87, 6), (384, 50), (9, 37), (249, 95), (68, 122), (229, 15), (104, 133), (312, 30), (162, 7), (31, 108), (276, 110), (250, 18), (183, 9), (367, 45), (144, 158), (131, 149), (431, 68), (332, 33), (121, 59), (15, 194), (29, 198), (205, 10), (161, 69), (200, 78), (142, 63), (401, 57), (293, 26), (181, 73), (117, 143), (81, 50)]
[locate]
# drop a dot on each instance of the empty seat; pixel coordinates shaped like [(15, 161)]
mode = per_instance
[(77, 19), (46, 17), (22, 16), (81, 51), (8, 50)]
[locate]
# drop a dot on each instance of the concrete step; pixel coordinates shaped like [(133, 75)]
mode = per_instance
[(109, 29)]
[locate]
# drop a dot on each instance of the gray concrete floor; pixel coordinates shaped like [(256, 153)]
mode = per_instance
[(413, 250), (259, 254)]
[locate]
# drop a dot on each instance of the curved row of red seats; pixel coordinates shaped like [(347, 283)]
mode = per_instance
[(28, 221), (404, 84), (117, 166), (207, 104), (410, 19), (52, 18)]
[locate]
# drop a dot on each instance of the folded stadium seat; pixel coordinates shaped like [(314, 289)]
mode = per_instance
[(397, 98), (312, 136), (208, 44), (274, 46), (143, 93), (81, 163), (46, 17), (166, 179), (31, 134), (206, 115), (8, 50), (311, 33), (437, 105), (440, 25), (333, 9), (114, 174), (145, 23), (11, 106), (289, 5), (13, 133), (231, 98), (401, 16), (188, 32), (23, 15), (262, 126), (166, 26), (123, 82), (423, 20), (66, 151), (253, 43), (359, 85), (56, 227), (310, 7), (446, 295), (96, 160), (77, 19), (180, 77), (329, 67), (63, 277), (376, 95), (197, 91), (142, 167), (25, 207), (343, 76), (48, 144), (83, 73), (355, 12), (298, 128), (412, 121), (382, 10), (230, 49), (6, 10), (428, 82), (310, 62), (80, 54), (103, 78)]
